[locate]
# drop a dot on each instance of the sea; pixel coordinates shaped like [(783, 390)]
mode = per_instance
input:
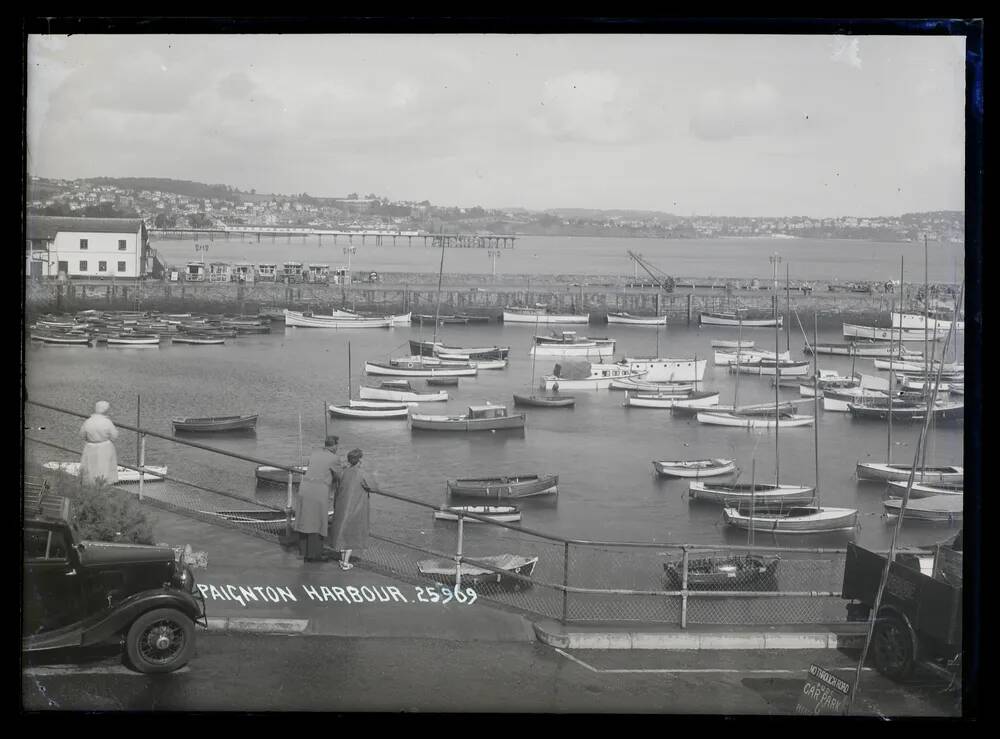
[(601, 450), (804, 259)]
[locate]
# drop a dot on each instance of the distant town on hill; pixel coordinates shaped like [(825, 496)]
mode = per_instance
[(167, 203)]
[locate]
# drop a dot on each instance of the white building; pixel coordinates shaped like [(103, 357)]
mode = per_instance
[(87, 247)]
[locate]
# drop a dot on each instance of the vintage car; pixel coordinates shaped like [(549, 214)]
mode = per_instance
[(85, 593)]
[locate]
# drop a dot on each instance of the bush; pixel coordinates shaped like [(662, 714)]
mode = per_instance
[(102, 513)]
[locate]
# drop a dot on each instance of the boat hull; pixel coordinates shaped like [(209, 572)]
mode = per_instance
[(463, 423), (444, 571), (762, 495), (543, 318), (520, 486), (882, 471), (301, 320), (892, 334), (502, 513), (219, 424), (934, 509), (823, 520), (663, 400), (727, 319), (627, 320), (589, 350), (394, 412), (752, 572), (695, 469), (412, 370), (402, 396), (753, 422), (544, 401)]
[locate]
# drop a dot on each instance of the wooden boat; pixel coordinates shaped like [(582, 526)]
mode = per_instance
[(61, 339), (473, 319), (133, 340), (935, 508), (840, 399), (545, 401), (570, 337), (435, 348), (478, 418), (444, 571), (860, 349), (630, 320), (260, 519), (268, 475), (152, 473), (416, 369), (358, 409), (683, 408), (652, 387), (809, 519), (733, 319), (904, 411), (770, 367), (575, 375), (705, 399), (923, 489), (747, 421), (761, 494), (747, 356), (215, 424), (736, 572), (882, 471), (442, 381), (310, 320), (892, 334), (827, 380), (501, 513), (919, 321), (404, 394), (696, 468), (510, 486), (662, 369), (725, 344), (917, 367), (575, 349), (541, 315), (197, 339)]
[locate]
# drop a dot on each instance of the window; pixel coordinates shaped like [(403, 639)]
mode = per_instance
[(83, 266), (121, 266), (102, 266), (42, 544), (121, 244), (83, 243)]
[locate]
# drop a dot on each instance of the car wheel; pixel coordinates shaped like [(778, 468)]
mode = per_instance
[(160, 641), (893, 648)]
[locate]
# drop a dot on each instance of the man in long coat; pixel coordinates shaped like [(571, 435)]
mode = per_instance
[(99, 461), (316, 491), (350, 514)]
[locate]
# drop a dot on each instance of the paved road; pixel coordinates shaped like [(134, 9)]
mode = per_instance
[(314, 673)]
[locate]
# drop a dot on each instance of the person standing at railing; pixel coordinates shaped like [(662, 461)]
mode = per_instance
[(316, 491), (350, 513), (99, 461)]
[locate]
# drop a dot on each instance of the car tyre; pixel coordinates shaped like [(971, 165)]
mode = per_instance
[(892, 648), (160, 641)]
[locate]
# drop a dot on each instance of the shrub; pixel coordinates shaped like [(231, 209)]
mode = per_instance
[(102, 513)]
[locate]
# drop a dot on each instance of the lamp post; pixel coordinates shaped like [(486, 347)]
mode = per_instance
[(494, 254), (349, 250)]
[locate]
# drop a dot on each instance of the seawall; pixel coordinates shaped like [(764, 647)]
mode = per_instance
[(468, 294)]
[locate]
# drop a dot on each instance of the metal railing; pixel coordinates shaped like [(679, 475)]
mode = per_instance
[(571, 580)]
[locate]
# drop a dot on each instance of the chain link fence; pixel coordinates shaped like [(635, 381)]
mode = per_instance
[(519, 568)]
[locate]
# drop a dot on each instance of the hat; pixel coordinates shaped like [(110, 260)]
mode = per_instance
[(354, 455), (102, 406)]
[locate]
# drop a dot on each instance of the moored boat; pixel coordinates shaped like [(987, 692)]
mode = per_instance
[(151, 473), (906, 411), (310, 320), (892, 334), (417, 369), (445, 571), (934, 508), (861, 349), (732, 572), (540, 315), (664, 369), (630, 320), (705, 399), (133, 340), (747, 421), (811, 519), (696, 468), (501, 513), (260, 519), (401, 394), (923, 489), (652, 387), (442, 381), (269, 475), (882, 471), (504, 486), (760, 494), (555, 400), (372, 410), (576, 375), (192, 338), (734, 319), (211, 424), (477, 418), (726, 344)]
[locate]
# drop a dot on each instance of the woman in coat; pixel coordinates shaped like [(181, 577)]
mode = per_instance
[(350, 514), (99, 461), (312, 507)]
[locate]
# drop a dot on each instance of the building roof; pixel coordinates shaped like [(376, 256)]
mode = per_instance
[(46, 227)]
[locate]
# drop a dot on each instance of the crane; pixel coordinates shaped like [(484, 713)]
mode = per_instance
[(661, 278)]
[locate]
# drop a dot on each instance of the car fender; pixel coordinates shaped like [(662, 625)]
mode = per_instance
[(121, 616)]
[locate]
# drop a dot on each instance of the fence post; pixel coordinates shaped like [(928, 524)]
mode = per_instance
[(684, 589), (565, 579), (142, 461), (458, 552)]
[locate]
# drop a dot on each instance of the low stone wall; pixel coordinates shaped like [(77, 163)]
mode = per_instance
[(583, 293)]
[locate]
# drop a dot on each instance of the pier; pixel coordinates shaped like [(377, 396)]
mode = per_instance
[(378, 238)]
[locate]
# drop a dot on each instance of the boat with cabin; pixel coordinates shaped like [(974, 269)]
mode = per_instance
[(663, 369), (477, 418), (577, 375)]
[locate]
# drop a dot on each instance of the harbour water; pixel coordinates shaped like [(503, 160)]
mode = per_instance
[(808, 259), (601, 450)]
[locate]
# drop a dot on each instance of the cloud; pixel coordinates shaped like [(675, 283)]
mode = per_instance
[(583, 107), (846, 49), (236, 86), (727, 114)]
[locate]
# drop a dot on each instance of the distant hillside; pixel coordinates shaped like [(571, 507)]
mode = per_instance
[(601, 215), (179, 187)]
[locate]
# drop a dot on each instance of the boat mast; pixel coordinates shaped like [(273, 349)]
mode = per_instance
[(437, 309), (534, 353), (777, 369), (816, 406), (927, 303), (788, 312), (739, 350), (350, 382)]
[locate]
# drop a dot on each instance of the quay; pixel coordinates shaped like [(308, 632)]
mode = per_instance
[(378, 238)]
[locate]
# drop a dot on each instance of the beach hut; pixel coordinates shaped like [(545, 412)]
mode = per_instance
[(220, 272), (292, 272), (267, 272), (195, 272), (319, 273), (340, 276), (243, 272)]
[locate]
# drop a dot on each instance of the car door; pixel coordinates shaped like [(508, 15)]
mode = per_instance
[(51, 580)]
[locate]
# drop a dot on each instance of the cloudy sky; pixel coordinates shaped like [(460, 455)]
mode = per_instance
[(723, 125)]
